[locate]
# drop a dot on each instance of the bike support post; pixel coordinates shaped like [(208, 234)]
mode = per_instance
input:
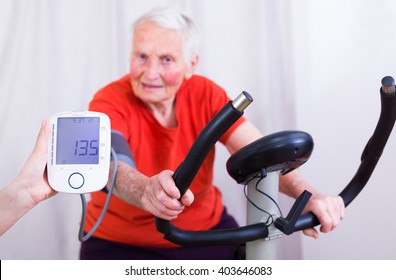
[(263, 249)]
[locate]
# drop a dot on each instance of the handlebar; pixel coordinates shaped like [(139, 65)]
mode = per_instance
[(188, 169), (370, 156), (205, 141)]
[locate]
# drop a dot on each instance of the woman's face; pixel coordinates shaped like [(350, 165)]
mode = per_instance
[(158, 65)]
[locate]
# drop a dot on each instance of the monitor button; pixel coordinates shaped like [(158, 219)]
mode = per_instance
[(76, 180)]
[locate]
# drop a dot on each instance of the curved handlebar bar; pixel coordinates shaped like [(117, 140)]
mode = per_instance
[(187, 170), (370, 156), (208, 137)]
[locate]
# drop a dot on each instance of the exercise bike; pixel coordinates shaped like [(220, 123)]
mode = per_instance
[(258, 165)]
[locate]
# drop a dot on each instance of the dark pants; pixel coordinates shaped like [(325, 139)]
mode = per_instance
[(100, 249)]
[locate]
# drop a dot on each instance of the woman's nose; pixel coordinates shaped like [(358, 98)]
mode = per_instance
[(152, 70)]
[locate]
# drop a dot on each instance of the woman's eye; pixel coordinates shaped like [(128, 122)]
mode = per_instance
[(167, 59), (142, 56)]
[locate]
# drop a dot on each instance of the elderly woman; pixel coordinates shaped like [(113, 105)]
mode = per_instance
[(156, 112)]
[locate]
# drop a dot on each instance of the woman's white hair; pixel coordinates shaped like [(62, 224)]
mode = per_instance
[(172, 18)]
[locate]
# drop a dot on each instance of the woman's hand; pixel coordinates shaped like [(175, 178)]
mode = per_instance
[(161, 197), (330, 211)]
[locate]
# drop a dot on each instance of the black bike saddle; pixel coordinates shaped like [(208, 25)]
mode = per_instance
[(282, 151)]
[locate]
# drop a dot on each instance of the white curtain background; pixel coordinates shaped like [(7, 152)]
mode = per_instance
[(342, 50), (311, 65)]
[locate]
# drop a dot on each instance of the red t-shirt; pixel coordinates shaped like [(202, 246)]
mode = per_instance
[(156, 148)]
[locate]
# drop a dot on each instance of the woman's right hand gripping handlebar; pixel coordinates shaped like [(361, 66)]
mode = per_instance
[(157, 194)]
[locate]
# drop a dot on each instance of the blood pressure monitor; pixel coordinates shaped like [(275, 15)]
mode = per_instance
[(79, 151)]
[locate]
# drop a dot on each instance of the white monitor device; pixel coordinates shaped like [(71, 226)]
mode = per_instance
[(79, 152)]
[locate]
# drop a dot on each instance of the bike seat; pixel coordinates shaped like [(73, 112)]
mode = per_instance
[(282, 151)]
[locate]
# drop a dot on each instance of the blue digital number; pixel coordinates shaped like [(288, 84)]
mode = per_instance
[(85, 147), (93, 148)]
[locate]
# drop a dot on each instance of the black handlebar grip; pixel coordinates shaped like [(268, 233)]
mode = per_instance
[(211, 237)]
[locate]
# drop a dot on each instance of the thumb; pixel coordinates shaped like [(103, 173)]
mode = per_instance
[(311, 232), (188, 198)]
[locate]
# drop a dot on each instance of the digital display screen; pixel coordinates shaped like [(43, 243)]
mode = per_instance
[(77, 140)]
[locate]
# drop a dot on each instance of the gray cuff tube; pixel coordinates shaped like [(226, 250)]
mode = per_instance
[(122, 149)]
